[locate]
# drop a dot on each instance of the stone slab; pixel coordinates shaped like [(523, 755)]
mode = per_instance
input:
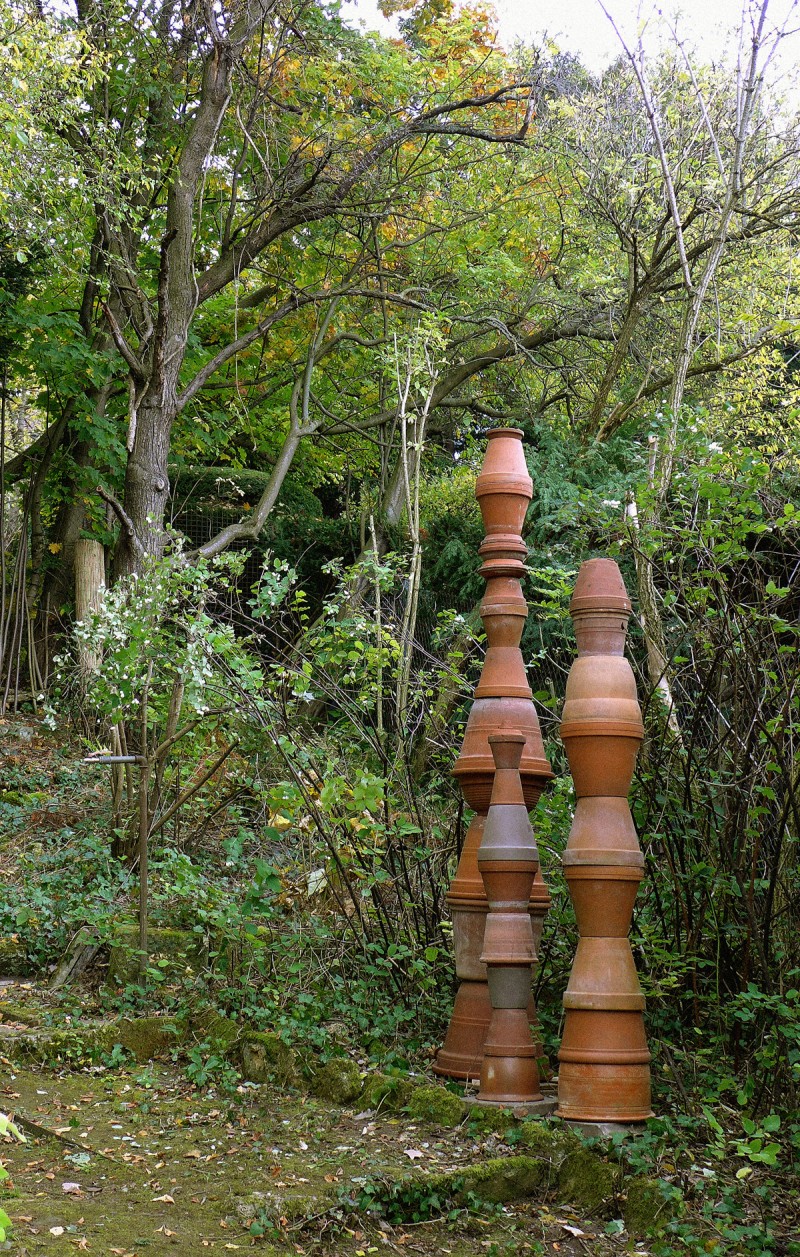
[(536, 1108)]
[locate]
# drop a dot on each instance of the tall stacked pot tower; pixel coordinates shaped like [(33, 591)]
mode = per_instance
[(604, 1063), (503, 701)]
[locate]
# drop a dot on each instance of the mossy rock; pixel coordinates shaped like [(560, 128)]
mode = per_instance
[(146, 1037), (339, 1081), (585, 1181), (212, 1027), (281, 1207), (553, 1143), (378, 1092), (386, 1092), (264, 1057), (489, 1121), (502, 1179), (83, 1043), (175, 952), (646, 1208), (14, 962), (436, 1104), (11, 1011)]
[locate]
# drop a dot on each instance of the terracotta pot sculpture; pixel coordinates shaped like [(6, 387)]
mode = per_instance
[(604, 1073), (503, 700), (508, 860)]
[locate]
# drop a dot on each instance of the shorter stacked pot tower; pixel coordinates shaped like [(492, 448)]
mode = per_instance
[(604, 1073), (503, 702), (508, 860)]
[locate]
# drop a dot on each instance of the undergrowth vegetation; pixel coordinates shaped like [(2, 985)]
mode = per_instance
[(300, 839)]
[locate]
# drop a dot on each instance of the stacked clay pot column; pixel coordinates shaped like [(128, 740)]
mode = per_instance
[(604, 1064), (508, 860), (503, 700)]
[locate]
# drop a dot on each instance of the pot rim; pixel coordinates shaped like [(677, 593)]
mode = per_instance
[(605, 1001), (600, 727), (602, 857)]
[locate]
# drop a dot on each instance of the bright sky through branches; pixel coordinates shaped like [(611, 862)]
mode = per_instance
[(581, 27)]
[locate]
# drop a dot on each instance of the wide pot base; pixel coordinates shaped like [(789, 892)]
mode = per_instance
[(604, 1093)]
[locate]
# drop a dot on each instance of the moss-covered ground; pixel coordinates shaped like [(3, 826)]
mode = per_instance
[(162, 1167)]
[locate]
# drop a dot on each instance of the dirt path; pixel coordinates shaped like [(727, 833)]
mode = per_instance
[(171, 1168)]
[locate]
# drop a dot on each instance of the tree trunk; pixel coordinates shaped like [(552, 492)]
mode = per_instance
[(90, 575), (146, 487)]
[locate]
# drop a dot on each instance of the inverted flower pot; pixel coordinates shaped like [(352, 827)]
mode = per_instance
[(509, 1069), (600, 587), (503, 674), (600, 609), (605, 679), (504, 596), (602, 757), (504, 488), (604, 977), (603, 832), (593, 1092), (603, 897), (591, 1036), (474, 767), (508, 940)]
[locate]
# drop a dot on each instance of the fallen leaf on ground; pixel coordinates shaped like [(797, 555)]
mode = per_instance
[(56, 1230), (167, 1200), (413, 1153)]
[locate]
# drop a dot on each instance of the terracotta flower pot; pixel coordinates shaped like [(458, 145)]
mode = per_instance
[(601, 758), (509, 1069), (603, 1062), (467, 883), (474, 767), (603, 832), (600, 587), (600, 609), (508, 884), (604, 977), (469, 925), (504, 488), (595, 1092), (601, 687), (603, 897), (503, 674), (504, 596), (591, 1036), (508, 940), (461, 1054)]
